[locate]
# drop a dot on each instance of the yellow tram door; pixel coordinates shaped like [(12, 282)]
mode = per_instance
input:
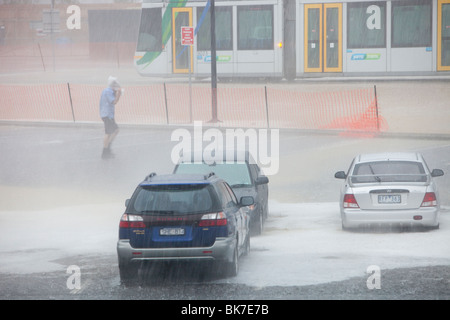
[(443, 41), (323, 37), (181, 17)]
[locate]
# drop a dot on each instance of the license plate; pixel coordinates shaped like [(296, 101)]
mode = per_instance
[(171, 232), (393, 198)]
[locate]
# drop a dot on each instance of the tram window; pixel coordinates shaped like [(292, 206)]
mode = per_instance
[(411, 23), (445, 35), (224, 29), (366, 25), (150, 30), (255, 28)]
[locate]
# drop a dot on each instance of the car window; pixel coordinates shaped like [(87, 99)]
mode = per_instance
[(350, 168), (231, 193), (236, 174), (254, 170), (224, 195), (221, 195), (174, 199), (389, 171)]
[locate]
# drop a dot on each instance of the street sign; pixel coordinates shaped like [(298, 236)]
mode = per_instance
[(187, 36)]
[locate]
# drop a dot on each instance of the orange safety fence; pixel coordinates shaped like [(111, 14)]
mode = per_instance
[(242, 107), (35, 102), (348, 111), (138, 105)]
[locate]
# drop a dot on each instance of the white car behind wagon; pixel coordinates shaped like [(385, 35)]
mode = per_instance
[(389, 189)]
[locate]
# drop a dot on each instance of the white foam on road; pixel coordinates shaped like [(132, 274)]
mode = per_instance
[(304, 244), (32, 240)]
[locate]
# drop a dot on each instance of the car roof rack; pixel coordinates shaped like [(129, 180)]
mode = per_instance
[(152, 178), (209, 175), (151, 175)]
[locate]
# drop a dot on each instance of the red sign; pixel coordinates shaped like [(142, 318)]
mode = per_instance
[(187, 36)]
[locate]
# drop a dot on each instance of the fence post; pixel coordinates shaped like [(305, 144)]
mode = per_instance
[(165, 102), (376, 107), (71, 104), (118, 55)]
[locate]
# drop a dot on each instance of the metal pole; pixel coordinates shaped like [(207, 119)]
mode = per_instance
[(213, 63), (190, 85), (51, 33)]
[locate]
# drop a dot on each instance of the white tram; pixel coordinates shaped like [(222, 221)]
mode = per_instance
[(296, 38)]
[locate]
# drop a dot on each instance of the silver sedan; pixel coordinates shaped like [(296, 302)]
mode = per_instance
[(389, 189)]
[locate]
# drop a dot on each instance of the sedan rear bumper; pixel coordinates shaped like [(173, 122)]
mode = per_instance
[(222, 249), (426, 217)]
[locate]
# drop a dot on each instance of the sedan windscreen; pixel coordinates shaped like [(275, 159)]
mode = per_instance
[(174, 200), (389, 171)]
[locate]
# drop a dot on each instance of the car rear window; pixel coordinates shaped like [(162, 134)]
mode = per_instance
[(389, 171), (175, 199), (236, 174)]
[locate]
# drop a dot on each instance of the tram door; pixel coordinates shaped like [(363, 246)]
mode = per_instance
[(443, 35), (181, 17), (323, 37)]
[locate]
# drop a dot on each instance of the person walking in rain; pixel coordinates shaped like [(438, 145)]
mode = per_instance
[(109, 98)]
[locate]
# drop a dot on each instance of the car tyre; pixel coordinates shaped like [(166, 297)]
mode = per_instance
[(232, 268), (258, 225), (128, 272), (431, 228), (266, 210), (344, 228), (247, 246)]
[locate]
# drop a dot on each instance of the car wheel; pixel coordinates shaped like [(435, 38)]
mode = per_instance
[(258, 224), (436, 227), (247, 246), (232, 268), (128, 272), (344, 228), (266, 211)]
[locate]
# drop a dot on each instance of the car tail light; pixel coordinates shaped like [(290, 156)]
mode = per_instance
[(213, 219), (131, 221), (429, 200), (350, 201)]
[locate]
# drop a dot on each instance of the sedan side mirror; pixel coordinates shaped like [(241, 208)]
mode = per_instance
[(246, 201), (340, 175), (262, 180), (437, 173)]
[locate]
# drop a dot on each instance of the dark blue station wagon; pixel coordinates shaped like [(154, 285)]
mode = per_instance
[(183, 218)]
